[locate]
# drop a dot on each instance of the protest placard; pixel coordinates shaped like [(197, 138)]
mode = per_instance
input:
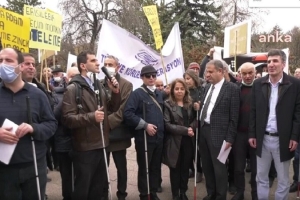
[(45, 28), (14, 30), (152, 16), (237, 39)]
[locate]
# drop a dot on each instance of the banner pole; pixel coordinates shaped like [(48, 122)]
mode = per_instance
[(235, 64), (42, 62), (162, 62), (47, 81), (54, 61)]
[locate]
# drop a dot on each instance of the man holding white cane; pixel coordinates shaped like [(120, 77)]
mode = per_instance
[(24, 176), (144, 112), (82, 116)]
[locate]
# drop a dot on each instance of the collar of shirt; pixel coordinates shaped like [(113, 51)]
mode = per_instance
[(219, 84), (26, 85), (280, 81), (89, 81)]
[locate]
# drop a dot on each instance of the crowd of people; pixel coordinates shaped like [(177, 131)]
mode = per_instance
[(74, 123)]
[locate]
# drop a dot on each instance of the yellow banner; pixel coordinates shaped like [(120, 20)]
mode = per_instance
[(152, 16), (45, 28), (238, 40), (14, 30)]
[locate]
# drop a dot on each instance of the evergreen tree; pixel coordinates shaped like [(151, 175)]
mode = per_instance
[(18, 5), (198, 19)]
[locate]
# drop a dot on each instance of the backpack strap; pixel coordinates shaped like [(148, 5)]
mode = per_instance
[(78, 93)]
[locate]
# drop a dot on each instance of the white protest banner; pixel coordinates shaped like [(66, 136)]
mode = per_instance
[(133, 54), (218, 53), (71, 59)]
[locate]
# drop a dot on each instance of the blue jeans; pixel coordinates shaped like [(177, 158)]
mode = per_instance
[(296, 164)]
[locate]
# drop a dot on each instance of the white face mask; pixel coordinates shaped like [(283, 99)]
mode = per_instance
[(7, 73), (57, 79), (111, 71), (151, 88), (247, 84)]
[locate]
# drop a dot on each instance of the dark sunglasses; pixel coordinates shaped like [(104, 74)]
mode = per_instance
[(149, 75)]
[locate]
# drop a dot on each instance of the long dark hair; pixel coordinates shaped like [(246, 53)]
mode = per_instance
[(187, 100)]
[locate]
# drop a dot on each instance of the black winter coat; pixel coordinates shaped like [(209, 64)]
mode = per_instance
[(62, 136)]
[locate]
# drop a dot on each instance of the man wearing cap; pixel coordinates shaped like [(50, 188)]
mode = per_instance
[(58, 78), (153, 124), (59, 142)]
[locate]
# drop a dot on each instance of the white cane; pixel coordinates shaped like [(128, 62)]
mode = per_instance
[(33, 149), (146, 152), (196, 160), (72, 177), (97, 91), (298, 185), (36, 169)]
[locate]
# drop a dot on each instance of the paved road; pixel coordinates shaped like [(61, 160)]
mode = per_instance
[(54, 187)]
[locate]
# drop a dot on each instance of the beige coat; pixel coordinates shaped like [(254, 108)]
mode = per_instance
[(116, 118)]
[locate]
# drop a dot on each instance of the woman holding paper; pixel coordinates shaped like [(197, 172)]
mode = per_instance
[(180, 123)]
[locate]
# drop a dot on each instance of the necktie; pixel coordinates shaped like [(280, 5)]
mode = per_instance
[(204, 111)]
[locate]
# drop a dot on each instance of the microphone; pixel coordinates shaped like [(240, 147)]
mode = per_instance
[(104, 70)]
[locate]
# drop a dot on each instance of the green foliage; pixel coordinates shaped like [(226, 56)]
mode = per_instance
[(197, 19), (18, 5), (198, 22)]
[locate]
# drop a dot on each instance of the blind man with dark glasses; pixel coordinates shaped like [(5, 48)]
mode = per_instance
[(153, 123)]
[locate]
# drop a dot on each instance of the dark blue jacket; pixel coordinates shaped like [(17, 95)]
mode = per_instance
[(133, 114), (62, 136)]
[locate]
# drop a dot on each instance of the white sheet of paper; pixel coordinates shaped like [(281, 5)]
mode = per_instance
[(7, 150), (223, 155)]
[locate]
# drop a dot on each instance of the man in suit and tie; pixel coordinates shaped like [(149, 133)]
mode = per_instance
[(274, 124), (218, 121)]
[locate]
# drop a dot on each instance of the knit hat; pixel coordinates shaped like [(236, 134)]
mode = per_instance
[(194, 65), (148, 69), (193, 75)]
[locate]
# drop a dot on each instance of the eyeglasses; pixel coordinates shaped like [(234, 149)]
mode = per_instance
[(159, 85), (149, 75)]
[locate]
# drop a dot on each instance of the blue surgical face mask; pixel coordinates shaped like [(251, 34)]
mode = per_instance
[(7, 73)]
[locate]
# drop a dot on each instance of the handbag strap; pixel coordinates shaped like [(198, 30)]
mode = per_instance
[(153, 99)]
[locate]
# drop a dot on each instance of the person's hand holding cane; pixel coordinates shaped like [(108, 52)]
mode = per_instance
[(99, 115)]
